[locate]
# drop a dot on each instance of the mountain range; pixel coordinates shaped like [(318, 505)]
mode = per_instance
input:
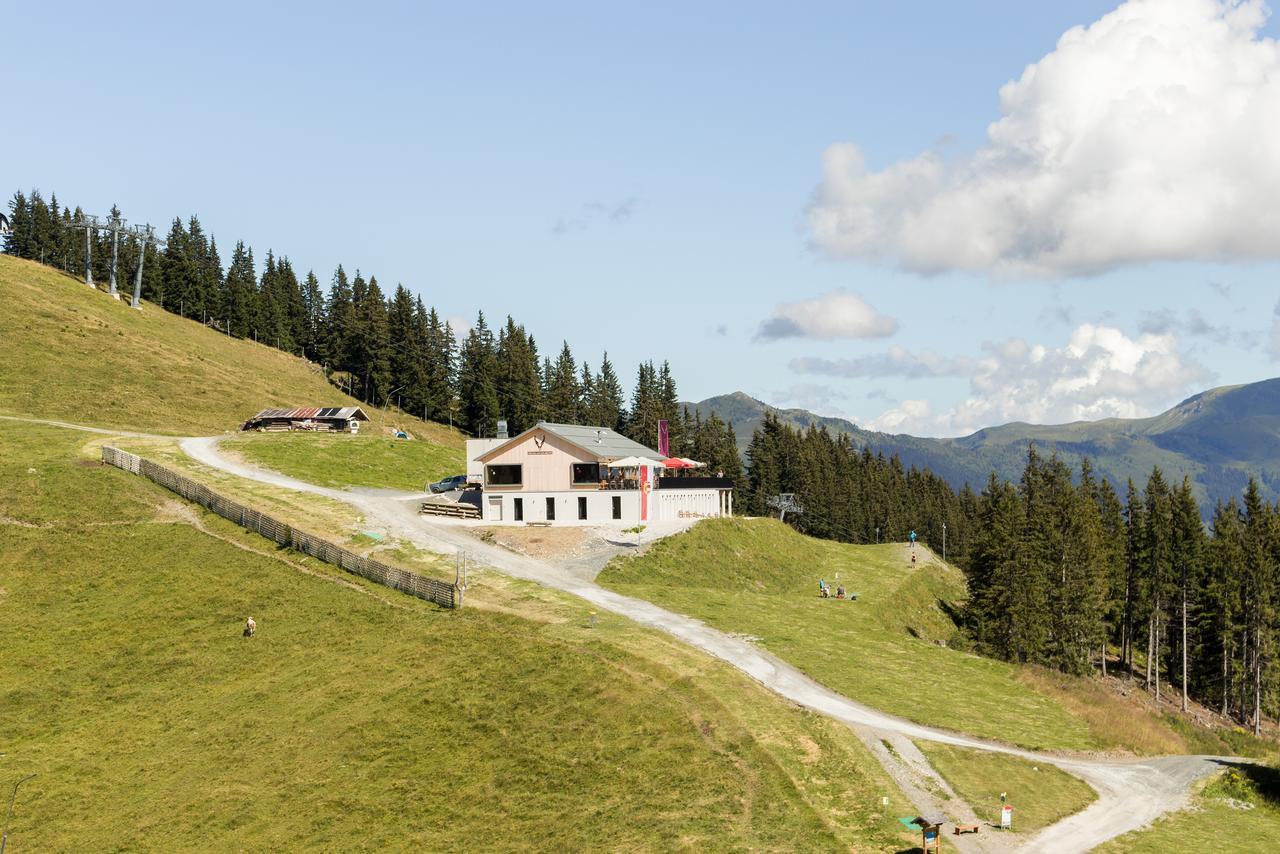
[(1218, 438)]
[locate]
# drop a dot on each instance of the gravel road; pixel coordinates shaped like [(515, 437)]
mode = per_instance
[(1131, 794)]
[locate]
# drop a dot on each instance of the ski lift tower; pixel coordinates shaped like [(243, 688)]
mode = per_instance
[(90, 224), (144, 234), (784, 504), (114, 224)]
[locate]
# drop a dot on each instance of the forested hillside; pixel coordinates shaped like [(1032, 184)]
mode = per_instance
[(1061, 571), (380, 349), (1217, 438)]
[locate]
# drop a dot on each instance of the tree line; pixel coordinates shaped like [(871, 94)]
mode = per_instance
[(380, 349), (1062, 571)]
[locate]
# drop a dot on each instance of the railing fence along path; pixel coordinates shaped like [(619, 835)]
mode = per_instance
[(430, 589)]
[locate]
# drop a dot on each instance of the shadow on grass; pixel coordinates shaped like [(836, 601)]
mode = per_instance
[(953, 613), (1248, 781)]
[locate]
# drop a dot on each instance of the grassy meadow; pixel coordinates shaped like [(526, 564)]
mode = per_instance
[(360, 718), (891, 649), (339, 460), (74, 354), (1040, 794)]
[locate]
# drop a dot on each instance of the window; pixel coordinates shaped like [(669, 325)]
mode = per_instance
[(582, 506), (517, 509), (502, 475), (617, 506), (551, 509), (584, 473)]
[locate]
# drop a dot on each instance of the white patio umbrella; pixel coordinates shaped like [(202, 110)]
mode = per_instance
[(633, 462)]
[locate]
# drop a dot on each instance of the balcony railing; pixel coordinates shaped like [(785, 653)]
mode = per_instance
[(694, 483)]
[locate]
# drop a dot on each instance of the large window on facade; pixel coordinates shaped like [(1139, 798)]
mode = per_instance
[(502, 475), (584, 473)]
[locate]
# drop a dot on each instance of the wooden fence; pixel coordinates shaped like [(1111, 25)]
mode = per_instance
[(440, 592)]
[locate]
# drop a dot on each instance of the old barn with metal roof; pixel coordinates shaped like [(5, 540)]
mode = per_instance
[(319, 418)]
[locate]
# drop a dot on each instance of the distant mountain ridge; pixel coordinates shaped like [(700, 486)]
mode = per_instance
[(1217, 438)]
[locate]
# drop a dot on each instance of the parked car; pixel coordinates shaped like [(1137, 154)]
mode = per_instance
[(457, 481)]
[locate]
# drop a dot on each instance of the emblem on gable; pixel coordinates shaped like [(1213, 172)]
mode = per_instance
[(539, 440)]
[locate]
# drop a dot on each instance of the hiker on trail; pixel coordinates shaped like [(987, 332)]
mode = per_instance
[(823, 591), (250, 627)]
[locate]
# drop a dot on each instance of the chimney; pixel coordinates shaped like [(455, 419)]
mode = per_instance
[(502, 429)]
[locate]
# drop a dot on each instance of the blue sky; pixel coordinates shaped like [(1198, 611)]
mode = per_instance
[(651, 181)]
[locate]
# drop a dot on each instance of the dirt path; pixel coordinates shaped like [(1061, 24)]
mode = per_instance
[(1131, 793)]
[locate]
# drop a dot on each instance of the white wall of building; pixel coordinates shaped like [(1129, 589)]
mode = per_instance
[(664, 505), (477, 448)]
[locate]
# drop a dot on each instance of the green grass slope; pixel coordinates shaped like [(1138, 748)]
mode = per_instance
[(74, 354), (355, 721), (1040, 794), (341, 460), (891, 649)]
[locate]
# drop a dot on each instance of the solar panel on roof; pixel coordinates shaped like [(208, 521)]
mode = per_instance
[(327, 412)]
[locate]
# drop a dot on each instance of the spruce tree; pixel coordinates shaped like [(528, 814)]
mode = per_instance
[(564, 394), (477, 381)]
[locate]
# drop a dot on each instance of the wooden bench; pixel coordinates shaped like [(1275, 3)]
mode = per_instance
[(966, 828)]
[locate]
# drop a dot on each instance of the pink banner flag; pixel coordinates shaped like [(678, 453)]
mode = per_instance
[(664, 439)]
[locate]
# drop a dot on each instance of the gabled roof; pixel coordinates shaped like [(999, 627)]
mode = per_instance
[(344, 412), (601, 442)]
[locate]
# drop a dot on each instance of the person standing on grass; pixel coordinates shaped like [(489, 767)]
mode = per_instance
[(250, 627)]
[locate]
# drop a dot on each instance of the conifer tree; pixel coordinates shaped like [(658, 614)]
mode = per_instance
[(564, 394), (242, 293), (439, 397), (17, 241), (313, 318), (642, 421), (519, 383), (608, 406), (339, 322), (477, 381)]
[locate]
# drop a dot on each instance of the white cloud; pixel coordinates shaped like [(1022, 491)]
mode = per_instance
[(909, 416), (1148, 135), (836, 314), (895, 362), (614, 213), (814, 397), (1098, 373)]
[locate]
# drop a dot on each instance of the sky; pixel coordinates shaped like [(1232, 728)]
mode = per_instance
[(926, 218)]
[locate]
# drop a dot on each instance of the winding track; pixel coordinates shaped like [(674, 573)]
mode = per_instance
[(1130, 794)]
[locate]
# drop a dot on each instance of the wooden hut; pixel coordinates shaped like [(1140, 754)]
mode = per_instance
[(328, 419)]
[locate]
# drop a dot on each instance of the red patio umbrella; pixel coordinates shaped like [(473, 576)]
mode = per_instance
[(676, 463)]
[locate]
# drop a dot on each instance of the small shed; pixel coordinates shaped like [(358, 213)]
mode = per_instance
[(323, 419)]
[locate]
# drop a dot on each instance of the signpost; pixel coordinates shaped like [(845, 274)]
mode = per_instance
[(1006, 817)]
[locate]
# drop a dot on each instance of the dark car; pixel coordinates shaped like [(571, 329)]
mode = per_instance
[(458, 481)]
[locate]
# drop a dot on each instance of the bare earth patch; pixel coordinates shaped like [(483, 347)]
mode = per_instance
[(544, 543)]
